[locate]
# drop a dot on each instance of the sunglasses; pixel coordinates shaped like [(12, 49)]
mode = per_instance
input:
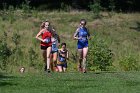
[(83, 23)]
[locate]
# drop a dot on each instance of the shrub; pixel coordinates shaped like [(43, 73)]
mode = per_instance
[(129, 63), (26, 7), (5, 52), (112, 5), (17, 52), (95, 8), (16, 39), (8, 15), (11, 15), (99, 56), (32, 56), (65, 7)]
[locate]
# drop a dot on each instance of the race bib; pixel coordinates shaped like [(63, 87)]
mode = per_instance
[(47, 40), (62, 59)]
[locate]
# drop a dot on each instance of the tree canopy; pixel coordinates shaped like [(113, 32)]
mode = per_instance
[(119, 5)]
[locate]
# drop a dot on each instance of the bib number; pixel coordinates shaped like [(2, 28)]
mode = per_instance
[(47, 40)]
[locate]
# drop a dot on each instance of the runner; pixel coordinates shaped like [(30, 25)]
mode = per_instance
[(82, 35), (55, 43), (44, 36), (63, 56)]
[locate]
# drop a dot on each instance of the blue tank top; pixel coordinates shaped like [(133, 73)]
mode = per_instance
[(83, 33), (54, 45)]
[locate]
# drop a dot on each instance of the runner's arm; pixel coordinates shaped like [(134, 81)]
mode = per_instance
[(75, 36), (67, 55), (38, 35)]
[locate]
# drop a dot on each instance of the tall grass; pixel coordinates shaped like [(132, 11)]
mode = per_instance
[(121, 33)]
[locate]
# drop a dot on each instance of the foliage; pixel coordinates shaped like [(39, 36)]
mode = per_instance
[(95, 8), (16, 39), (5, 52), (125, 5), (8, 15), (112, 5), (128, 63), (100, 56), (32, 56), (26, 7), (65, 7)]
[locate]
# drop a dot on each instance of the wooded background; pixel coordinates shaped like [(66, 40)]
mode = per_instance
[(119, 5)]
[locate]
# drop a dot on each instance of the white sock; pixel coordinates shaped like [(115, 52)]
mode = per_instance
[(48, 63), (84, 63)]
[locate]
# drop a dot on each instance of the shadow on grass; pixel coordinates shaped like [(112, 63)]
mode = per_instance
[(3, 76), (3, 83), (4, 80), (137, 28)]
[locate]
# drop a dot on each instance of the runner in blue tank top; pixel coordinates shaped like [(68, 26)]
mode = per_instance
[(55, 43), (82, 35)]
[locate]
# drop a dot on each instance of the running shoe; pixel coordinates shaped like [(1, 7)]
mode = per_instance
[(48, 70)]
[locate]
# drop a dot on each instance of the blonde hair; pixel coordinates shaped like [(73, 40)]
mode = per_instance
[(42, 25)]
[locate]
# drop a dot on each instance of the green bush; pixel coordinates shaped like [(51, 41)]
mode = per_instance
[(65, 7), (112, 5), (5, 52), (32, 57), (11, 15), (8, 14), (129, 63), (26, 7), (95, 8), (16, 39), (99, 56)]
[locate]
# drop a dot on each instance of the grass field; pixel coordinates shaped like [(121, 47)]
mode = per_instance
[(121, 32), (71, 82)]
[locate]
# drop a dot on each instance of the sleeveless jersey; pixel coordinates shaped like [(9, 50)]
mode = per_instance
[(62, 59), (82, 33), (46, 35), (83, 41), (54, 44)]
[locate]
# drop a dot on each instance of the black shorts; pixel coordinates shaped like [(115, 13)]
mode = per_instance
[(63, 65), (52, 52), (44, 47)]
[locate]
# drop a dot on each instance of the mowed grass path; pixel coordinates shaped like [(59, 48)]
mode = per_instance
[(91, 82)]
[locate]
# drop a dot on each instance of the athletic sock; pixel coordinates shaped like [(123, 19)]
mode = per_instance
[(48, 63), (84, 65)]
